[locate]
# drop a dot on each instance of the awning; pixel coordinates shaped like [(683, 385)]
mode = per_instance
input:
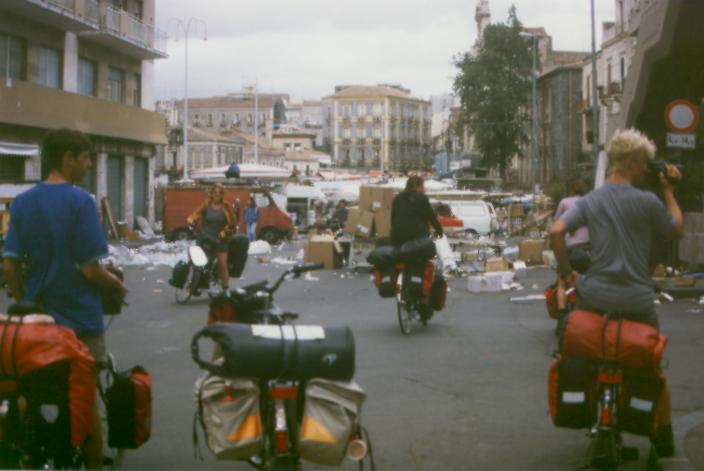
[(11, 149)]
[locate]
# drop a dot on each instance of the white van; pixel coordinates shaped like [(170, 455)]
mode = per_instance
[(477, 216)]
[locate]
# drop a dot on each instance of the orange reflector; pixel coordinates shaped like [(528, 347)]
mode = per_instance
[(610, 378), (313, 430), (281, 441), (250, 429), (279, 393)]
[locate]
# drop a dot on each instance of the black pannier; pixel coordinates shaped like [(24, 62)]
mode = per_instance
[(386, 280), (641, 392), (572, 392), (179, 274), (237, 250), (285, 352)]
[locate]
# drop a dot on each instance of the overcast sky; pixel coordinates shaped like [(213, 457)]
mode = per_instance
[(306, 47)]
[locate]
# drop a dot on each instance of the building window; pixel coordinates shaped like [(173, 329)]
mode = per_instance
[(623, 73), (237, 119), (137, 8), (137, 90), (49, 68), (249, 119), (12, 169), (12, 57), (116, 85), (210, 120), (86, 77)]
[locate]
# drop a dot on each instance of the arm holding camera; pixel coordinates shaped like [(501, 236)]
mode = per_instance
[(669, 174)]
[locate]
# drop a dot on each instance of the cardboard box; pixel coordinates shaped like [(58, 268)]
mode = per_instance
[(353, 216), (382, 223), (365, 225), (549, 258), (519, 268), (516, 211), (531, 251), (382, 198), (323, 249), (496, 264), (489, 283), (366, 198)]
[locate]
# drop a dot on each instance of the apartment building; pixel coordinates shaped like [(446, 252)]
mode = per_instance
[(84, 65), (380, 126), (240, 111)]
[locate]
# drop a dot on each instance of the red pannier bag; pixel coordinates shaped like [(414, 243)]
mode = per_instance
[(632, 344), (27, 347), (572, 392), (551, 300), (221, 310), (129, 408), (422, 281), (438, 293), (386, 280)]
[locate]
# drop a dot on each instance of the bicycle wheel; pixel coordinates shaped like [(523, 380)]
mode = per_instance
[(403, 310), (184, 293)]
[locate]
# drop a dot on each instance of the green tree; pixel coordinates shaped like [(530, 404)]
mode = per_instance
[(494, 87)]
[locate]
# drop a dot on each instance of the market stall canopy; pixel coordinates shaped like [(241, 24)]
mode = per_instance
[(11, 149), (246, 171)]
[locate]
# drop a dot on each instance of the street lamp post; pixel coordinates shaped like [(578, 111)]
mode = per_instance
[(534, 126), (534, 115), (186, 28), (595, 117)]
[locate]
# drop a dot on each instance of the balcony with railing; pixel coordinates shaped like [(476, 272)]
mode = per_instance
[(121, 31), (67, 15)]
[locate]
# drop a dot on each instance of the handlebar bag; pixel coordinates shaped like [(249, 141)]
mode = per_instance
[(26, 348), (227, 411), (129, 408), (572, 392), (632, 344), (330, 420), (280, 351), (179, 275)]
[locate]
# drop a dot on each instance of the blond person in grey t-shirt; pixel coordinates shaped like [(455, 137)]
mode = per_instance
[(622, 222)]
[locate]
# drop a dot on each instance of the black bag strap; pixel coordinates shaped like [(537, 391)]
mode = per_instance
[(5, 325), (195, 353)]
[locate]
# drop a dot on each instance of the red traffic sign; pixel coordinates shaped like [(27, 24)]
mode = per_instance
[(681, 116)]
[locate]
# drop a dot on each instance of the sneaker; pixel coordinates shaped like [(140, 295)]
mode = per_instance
[(664, 442)]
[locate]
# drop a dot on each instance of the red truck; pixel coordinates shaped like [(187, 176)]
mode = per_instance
[(180, 201)]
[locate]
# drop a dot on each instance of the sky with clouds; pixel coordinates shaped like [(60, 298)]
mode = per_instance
[(306, 47)]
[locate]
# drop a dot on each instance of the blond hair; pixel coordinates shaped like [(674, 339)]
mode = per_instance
[(626, 144)]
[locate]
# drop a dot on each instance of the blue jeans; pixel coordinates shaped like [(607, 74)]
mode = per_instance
[(252, 231)]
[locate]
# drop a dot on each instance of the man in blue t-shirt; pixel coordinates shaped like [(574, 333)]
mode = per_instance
[(55, 232), (622, 222)]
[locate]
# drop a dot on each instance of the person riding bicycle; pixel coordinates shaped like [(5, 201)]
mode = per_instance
[(216, 222), (411, 218), (623, 223), (55, 232)]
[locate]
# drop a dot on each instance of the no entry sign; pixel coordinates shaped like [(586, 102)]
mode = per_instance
[(681, 116)]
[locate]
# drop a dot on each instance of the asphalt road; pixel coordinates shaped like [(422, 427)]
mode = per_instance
[(467, 392)]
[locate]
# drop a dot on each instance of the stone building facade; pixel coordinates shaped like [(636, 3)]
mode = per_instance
[(84, 65), (380, 127)]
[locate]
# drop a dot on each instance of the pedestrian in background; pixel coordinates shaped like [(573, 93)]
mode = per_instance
[(579, 239), (251, 217)]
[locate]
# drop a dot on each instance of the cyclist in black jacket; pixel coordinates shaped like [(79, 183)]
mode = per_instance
[(411, 213)]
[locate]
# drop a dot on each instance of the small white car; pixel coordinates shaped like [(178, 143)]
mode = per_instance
[(476, 215)]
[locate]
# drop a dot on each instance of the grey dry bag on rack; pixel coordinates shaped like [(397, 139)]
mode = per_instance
[(330, 420), (228, 412), (279, 351)]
